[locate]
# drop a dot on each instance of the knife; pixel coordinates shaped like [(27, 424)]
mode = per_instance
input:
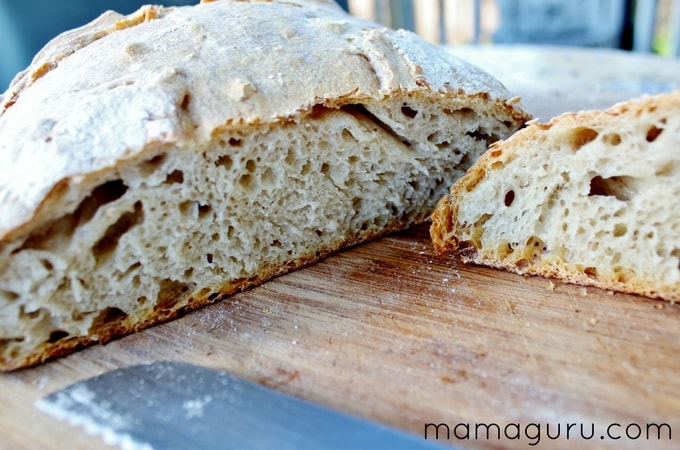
[(174, 405)]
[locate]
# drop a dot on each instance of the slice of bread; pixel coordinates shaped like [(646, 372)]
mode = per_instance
[(156, 162), (591, 198)]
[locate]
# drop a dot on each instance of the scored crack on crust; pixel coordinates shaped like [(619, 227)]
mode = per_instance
[(590, 198), (177, 155)]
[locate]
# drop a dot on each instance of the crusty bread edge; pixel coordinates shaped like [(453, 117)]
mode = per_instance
[(444, 228)]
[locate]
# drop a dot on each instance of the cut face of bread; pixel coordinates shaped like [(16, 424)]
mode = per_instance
[(154, 163), (592, 198)]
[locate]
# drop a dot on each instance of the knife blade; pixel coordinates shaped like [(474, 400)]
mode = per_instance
[(174, 405)]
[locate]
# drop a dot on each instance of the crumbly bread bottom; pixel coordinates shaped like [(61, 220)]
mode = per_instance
[(592, 198), (177, 228)]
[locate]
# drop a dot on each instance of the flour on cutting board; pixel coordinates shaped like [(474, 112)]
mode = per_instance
[(80, 407)]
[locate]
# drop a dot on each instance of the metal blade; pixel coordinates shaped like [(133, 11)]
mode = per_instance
[(171, 405)]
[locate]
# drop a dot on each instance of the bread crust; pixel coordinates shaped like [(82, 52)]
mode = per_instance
[(455, 235)]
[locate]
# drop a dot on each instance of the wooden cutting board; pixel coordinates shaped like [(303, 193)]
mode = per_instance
[(389, 332)]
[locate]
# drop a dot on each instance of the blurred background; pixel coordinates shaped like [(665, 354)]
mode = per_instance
[(636, 25)]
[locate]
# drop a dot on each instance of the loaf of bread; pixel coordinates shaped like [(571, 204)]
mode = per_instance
[(157, 162), (591, 198)]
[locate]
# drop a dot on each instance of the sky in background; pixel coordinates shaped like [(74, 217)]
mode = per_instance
[(27, 25)]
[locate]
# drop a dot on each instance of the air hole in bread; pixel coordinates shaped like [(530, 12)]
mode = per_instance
[(134, 267), (185, 102), (504, 249), (108, 243), (440, 139), (676, 253), (534, 247), (479, 135), (101, 195), (108, 322), (245, 180), (204, 211), (291, 157), (61, 229), (619, 187), (57, 335), (509, 198), (347, 135), (436, 137), (409, 112), (47, 264), (578, 137), (668, 169), (653, 132), (151, 165), (306, 168), (612, 139), (170, 293), (176, 177), (445, 145), (251, 165), (466, 161), (188, 208), (461, 114), (224, 161), (620, 229), (9, 295), (203, 293), (591, 272), (371, 121), (24, 314), (209, 257)]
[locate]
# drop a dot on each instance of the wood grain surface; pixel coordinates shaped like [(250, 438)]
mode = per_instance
[(389, 332)]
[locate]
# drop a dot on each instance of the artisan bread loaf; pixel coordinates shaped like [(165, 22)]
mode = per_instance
[(591, 198), (157, 162)]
